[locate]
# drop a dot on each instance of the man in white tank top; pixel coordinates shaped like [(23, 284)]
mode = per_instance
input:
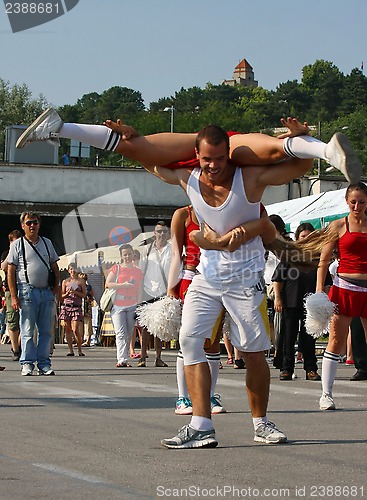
[(224, 196)]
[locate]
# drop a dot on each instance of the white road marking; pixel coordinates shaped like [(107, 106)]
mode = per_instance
[(141, 385)]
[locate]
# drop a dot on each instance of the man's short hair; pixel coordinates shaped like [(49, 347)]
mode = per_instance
[(14, 235), (31, 215), (213, 135), (161, 223)]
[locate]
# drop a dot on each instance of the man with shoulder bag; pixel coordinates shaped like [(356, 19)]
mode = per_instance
[(33, 278)]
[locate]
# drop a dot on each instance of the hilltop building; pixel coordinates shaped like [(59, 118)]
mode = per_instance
[(243, 75)]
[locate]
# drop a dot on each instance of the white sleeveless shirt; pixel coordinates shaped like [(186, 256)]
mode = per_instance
[(222, 265)]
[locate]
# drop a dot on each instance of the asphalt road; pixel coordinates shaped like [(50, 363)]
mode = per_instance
[(93, 431)]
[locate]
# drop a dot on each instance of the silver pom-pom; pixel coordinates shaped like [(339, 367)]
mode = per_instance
[(319, 311), (162, 318)]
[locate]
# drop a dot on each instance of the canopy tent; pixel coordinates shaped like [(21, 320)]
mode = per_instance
[(319, 209), (89, 260)]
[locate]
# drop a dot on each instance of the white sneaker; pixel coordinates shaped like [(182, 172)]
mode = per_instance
[(44, 128), (269, 434), (340, 154), (187, 437), (27, 369), (183, 406), (216, 405), (327, 402)]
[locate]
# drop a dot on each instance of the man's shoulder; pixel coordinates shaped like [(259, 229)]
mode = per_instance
[(46, 240), (15, 245), (48, 243)]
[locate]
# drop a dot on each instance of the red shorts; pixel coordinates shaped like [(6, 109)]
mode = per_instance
[(193, 162), (350, 303)]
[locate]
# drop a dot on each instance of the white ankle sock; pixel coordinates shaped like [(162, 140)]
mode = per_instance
[(304, 147), (214, 362), (180, 374), (201, 423), (98, 136), (329, 367), (257, 421)]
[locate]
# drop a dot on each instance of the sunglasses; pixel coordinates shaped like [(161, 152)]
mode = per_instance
[(35, 222), (161, 231)]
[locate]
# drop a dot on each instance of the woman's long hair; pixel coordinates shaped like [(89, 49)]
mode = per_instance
[(303, 254)]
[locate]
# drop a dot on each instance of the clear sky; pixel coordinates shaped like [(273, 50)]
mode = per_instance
[(159, 46)]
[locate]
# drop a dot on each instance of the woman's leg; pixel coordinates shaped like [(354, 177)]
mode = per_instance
[(163, 149), (262, 149), (349, 360), (229, 349), (213, 356), (339, 326), (156, 149), (69, 335), (132, 344), (77, 328)]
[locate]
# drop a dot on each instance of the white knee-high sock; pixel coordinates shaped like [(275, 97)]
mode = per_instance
[(98, 136), (329, 367), (304, 147), (214, 362), (180, 374)]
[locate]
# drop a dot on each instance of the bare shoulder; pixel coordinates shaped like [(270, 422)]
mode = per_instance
[(180, 214), (337, 225)]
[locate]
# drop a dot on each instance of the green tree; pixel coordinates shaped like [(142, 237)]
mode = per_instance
[(323, 81), (17, 107), (354, 92), (293, 100)]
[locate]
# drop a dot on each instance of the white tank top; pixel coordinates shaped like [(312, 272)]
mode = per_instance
[(222, 265)]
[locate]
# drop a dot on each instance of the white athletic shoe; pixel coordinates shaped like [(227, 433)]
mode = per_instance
[(183, 406), (44, 128), (268, 433), (187, 437), (340, 154), (216, 405), (27, 370), (327, 402)]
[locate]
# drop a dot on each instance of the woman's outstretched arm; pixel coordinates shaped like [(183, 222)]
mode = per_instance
[(208, 239)]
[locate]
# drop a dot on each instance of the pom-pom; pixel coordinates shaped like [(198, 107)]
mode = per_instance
[(162, 318), (319, 311)]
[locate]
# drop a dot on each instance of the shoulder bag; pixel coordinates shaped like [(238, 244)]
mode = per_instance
[(108, 296)]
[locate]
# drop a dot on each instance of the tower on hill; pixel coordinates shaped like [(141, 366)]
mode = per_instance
[(243, 75)]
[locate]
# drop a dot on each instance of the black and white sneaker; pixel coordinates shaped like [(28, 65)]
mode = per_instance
[(269, 434), (44, 128), (45, 371), (188, 437), (340, 154)]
